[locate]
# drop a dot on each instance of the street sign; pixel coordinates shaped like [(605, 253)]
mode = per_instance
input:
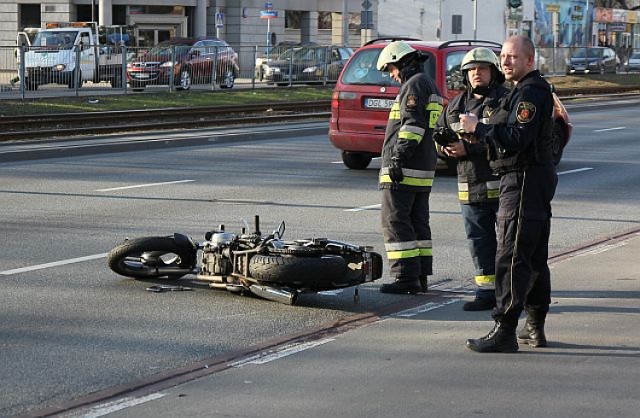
[(219, 20), (268, 5), (552, 8), (366, 5), (268, 14)]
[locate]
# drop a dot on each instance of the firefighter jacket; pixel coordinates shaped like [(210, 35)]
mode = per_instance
[(408, 140), (520, 133), (476, 181)]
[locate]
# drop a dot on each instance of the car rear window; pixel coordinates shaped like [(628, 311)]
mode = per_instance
[(361, 69)]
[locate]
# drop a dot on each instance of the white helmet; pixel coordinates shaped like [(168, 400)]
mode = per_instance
[(393, 53)]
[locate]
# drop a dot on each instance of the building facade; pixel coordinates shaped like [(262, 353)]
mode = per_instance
[(239, 22)]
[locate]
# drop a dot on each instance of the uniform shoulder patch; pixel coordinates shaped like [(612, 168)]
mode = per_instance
[(525, 111), (412, 102)]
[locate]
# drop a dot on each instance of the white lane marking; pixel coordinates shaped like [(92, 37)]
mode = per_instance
[(286, 350), (53, 264), (424, 308), (577, 170), (143, 185), (610, 129), (113, 406), (376, 206)]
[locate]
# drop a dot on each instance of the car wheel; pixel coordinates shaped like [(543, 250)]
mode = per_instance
[(356, 160), (184, 81), (557, 143), (228, 80)]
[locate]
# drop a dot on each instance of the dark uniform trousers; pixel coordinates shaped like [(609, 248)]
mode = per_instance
[(407, 238), (524, 221)]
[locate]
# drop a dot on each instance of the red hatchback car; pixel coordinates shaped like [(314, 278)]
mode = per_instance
[(363, 96), (186, 61)]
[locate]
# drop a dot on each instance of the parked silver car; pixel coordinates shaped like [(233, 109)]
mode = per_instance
[(633, 63)]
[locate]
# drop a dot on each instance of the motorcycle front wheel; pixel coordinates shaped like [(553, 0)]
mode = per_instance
[(292, 269), (151, 257)]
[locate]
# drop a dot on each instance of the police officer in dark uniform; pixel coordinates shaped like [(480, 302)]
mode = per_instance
[(408, 167), (519, 139), (478, 187)]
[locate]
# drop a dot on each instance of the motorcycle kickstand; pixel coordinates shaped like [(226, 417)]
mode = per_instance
[(356, 295)]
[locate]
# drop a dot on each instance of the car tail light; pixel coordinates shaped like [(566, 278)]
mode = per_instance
[(337, 96)]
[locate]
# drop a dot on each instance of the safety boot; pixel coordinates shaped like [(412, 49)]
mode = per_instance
[(402, 286), (424, 284), (533, 331), (501, 339)]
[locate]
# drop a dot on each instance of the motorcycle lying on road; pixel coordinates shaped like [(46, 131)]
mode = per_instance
[(266, 266)]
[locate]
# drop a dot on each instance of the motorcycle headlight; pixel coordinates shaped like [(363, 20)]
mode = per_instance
[(59, 67), (167, 64)]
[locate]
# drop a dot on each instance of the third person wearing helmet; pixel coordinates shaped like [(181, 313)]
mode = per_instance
[(408, 167), (478, 188)]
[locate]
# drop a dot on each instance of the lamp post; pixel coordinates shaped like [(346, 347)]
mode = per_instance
[(475, 19)]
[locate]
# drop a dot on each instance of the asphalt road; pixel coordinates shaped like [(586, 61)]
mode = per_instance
[(72, 327)]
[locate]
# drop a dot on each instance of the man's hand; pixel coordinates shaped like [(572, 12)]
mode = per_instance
[(395, 170), (456, 150), (468, 122)]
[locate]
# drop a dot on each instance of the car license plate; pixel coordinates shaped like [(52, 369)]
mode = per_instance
[(580, 68), (142, 75), (372, 103)]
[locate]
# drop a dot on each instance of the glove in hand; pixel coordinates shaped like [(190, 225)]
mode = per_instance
[(395, 171), (445, 136)]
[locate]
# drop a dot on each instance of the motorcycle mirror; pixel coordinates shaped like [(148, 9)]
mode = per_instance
[(246, 224), (279, 232)]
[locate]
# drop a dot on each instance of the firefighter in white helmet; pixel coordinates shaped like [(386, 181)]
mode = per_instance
[(408, 167), (477, 185)]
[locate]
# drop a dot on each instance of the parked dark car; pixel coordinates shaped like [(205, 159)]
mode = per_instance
[(307, 64), (272, 53), (363, 97), (598, 60), (193, 61)]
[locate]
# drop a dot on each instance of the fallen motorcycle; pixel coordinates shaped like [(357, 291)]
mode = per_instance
[(266, 266)]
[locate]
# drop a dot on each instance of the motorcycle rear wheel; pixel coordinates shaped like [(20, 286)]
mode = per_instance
[(141, 257), (292, 269)]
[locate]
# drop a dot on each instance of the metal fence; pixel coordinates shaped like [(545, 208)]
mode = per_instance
[(587, 60), (30, 72)]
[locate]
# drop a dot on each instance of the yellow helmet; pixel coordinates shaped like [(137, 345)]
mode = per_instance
[(393, 53), (479, 55)]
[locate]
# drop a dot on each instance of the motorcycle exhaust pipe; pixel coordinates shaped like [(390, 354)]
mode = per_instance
[(276, 294), (167, 271)]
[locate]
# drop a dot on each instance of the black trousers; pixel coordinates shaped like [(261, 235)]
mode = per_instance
[(407, 234), (523, 280)]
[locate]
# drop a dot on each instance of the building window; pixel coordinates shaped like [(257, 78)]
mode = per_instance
[(29, 16)]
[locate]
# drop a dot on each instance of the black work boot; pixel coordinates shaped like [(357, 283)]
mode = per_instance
[(479, 304), (501, 339), (401, 286), (424, 284), (533, 331)]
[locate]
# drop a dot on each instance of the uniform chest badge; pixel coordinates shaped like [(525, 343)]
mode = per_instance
[(412, 102), (525, 112)]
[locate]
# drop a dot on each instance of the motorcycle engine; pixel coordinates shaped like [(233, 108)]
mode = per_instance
[(215, 262)]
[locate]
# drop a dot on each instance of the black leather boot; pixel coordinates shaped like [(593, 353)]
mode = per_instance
[(402, 287), (424, 284), (501, 339), (533, 331)]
